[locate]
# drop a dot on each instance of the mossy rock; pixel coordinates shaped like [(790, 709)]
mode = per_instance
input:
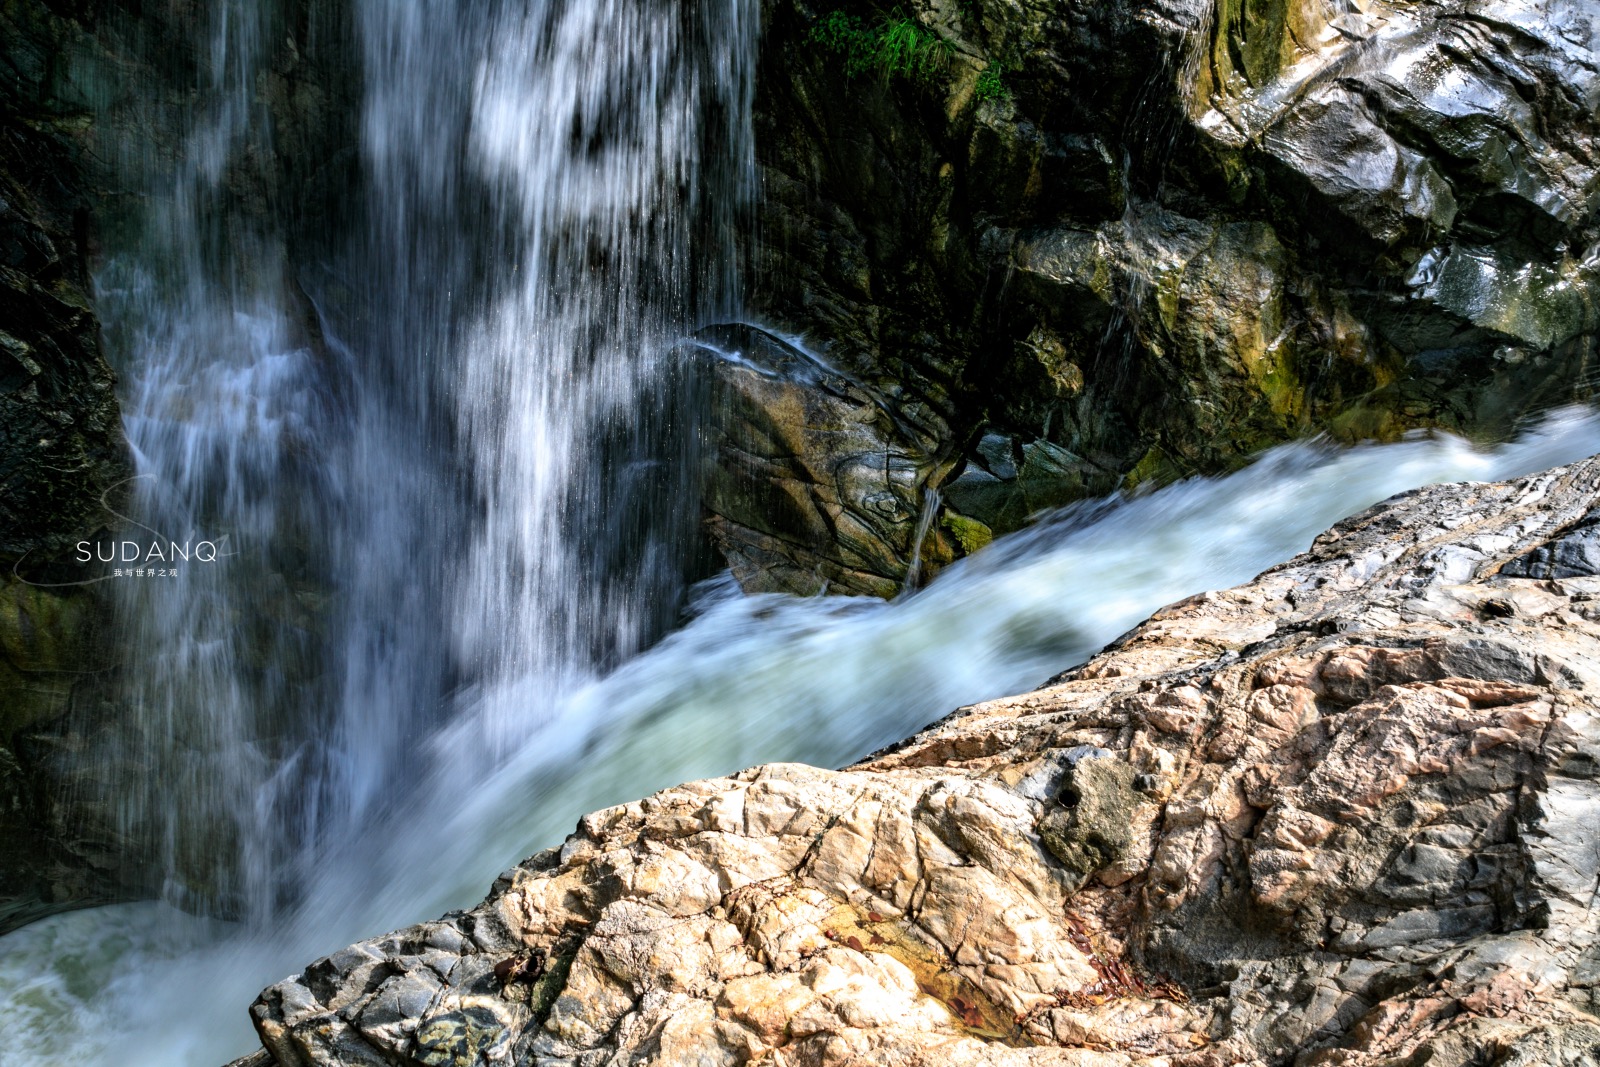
[(970, 534), (45, 646), (1094, 828)]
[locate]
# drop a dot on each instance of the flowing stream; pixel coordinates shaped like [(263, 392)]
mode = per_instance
[(452, 469)]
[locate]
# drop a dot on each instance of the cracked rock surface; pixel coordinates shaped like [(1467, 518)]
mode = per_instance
[(1344, 814)]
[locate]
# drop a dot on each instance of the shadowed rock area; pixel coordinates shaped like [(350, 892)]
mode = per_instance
[(61, 451), (1340, 815)]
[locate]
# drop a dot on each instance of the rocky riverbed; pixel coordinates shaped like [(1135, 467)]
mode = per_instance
[(1342, 814)]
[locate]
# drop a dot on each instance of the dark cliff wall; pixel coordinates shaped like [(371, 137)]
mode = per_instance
[(1113, 243), (61, 452), (60, 443)]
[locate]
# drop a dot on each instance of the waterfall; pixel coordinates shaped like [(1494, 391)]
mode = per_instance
[(581, 214), (452, 467), (223, 403)]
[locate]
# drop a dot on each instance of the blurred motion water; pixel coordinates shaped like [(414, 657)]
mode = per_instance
[(451, 473), (748, 680), (223, 404), (450, 468)]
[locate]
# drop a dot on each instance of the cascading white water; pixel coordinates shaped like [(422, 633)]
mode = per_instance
[(461, 494), (750, 679), (221, 396), (591, 125), (553, 188), (458, 496)]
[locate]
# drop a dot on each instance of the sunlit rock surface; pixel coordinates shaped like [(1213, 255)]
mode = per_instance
[(1344, 814)]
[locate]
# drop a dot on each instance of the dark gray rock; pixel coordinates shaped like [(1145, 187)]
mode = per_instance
[(61, 444), (1573, 554)]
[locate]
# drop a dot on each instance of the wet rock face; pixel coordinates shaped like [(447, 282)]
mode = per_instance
[(818, 483), (1341, 815), (1181, 232), (61, 452), (60, 438), (1457, 141), (53, 855)]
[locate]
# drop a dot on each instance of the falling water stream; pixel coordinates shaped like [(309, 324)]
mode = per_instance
[(458, 522)]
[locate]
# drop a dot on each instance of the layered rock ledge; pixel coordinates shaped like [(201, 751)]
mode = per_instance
[(1344, 814)]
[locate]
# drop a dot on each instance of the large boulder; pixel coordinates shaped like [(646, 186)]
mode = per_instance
[(1341, 815)]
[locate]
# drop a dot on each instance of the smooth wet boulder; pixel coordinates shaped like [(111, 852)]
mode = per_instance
[(817, 483), (1343, 814)]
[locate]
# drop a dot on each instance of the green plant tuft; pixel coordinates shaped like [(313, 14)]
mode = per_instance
[(991, 82), (893, 47)]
